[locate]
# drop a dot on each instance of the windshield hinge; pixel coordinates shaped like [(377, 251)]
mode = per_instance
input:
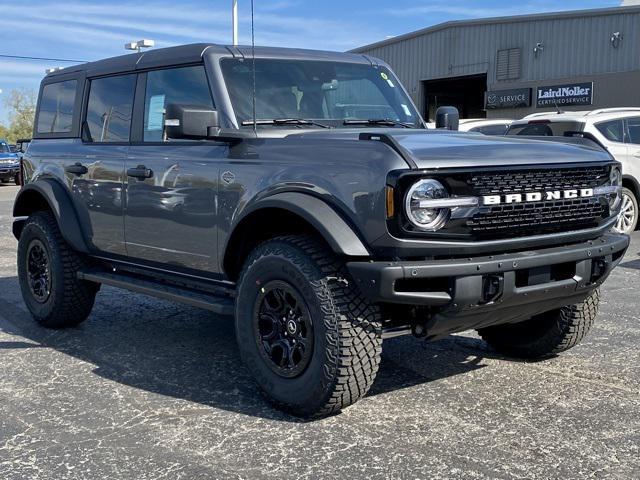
[(393, 143)]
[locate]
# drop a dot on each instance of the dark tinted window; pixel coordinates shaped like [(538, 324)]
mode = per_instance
[(182, 86), (491, 129), (55, 113), (545, 128), (109, 108), (634, 129), (612, 130)]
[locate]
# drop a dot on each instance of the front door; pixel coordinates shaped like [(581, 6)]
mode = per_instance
[(171, 187)]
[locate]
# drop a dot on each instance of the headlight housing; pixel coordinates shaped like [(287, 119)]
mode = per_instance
[(423, 214), (615, 179)]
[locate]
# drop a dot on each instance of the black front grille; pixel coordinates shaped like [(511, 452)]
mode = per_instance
[(542, 217), (488, 183)]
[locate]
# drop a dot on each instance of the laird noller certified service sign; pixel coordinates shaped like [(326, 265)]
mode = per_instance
[(515, 98), (573, 94)]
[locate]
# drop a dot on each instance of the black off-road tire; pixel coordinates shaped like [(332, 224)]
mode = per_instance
[(547, 334), (347, 331), (16, 179), (70, 300)]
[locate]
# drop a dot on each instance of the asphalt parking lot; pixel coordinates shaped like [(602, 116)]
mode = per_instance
[(147, 389)]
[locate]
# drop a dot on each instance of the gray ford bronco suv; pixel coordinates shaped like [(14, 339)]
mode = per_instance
[(301, 192)]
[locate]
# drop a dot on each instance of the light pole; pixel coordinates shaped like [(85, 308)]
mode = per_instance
[(234, 21), (139, 45)]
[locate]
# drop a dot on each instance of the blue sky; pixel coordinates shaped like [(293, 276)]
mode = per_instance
[(94, 29)]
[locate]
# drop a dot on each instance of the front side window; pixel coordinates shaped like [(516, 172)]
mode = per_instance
[(633, 124), (330, 92), (180, 86), (612, 130), (55, 112), (110, 107)]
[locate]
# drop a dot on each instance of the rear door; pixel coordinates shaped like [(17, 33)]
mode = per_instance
[(98, 170), (614, 134), (171, 186)]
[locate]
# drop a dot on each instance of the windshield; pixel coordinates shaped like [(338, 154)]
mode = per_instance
[(4, 148), (327, 92)]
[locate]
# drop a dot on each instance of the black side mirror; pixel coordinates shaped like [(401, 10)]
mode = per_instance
[(189, 121), (447, 118)]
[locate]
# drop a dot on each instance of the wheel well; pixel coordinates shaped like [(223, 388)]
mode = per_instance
[(631, 185), (29, 202), (258, 227)]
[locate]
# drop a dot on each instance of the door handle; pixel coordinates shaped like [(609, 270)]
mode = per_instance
[(76, 169), (140, 172)]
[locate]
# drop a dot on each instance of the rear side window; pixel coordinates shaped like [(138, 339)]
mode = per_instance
[(110, 107), (634, 130), (545, 128), (55, 114), (491, 129), (612, 130), (181, 86)]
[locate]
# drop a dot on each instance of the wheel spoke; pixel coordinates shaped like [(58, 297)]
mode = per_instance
[(284, 329)]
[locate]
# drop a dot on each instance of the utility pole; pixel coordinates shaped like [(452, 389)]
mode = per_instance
[(234, 21)]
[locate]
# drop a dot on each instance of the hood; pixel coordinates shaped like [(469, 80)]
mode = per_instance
[(9, 156), (429, 149)]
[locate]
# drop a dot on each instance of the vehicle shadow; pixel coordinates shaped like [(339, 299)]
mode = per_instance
[(634, 264), (187, 353)]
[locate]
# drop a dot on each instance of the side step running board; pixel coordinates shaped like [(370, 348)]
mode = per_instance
[(218, 304)]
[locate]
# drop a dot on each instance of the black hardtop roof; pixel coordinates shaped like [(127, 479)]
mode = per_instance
[(194, 52)]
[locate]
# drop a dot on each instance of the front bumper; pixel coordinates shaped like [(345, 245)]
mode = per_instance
[(479, 286), (9, 172)]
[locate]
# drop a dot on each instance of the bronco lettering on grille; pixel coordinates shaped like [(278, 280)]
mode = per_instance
[(537, 196)]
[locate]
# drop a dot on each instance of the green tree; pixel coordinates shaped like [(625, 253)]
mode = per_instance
[(21, 104)]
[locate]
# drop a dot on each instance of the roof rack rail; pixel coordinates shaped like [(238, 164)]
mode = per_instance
[(614, 110)]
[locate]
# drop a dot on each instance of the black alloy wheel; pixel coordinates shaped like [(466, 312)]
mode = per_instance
[(39, 271), (283, 329)]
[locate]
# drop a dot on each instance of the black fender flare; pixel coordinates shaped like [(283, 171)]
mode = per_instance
[(60, 204), (340, 236)]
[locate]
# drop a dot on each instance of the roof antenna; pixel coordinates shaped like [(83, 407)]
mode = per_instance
[(558, 109), (253, 68)]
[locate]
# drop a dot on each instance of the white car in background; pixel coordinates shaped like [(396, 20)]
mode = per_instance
[(497, 126), (616, 129), (487, 126)]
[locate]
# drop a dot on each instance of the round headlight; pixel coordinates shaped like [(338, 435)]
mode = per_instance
[(417, 209)]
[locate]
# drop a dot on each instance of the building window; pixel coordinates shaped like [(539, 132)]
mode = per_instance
[(508, 64)]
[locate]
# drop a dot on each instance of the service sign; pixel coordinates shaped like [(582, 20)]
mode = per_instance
[(559, 95), (515, 98)]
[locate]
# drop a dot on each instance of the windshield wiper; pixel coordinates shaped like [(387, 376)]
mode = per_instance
[(378, 121), (285, 121)]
